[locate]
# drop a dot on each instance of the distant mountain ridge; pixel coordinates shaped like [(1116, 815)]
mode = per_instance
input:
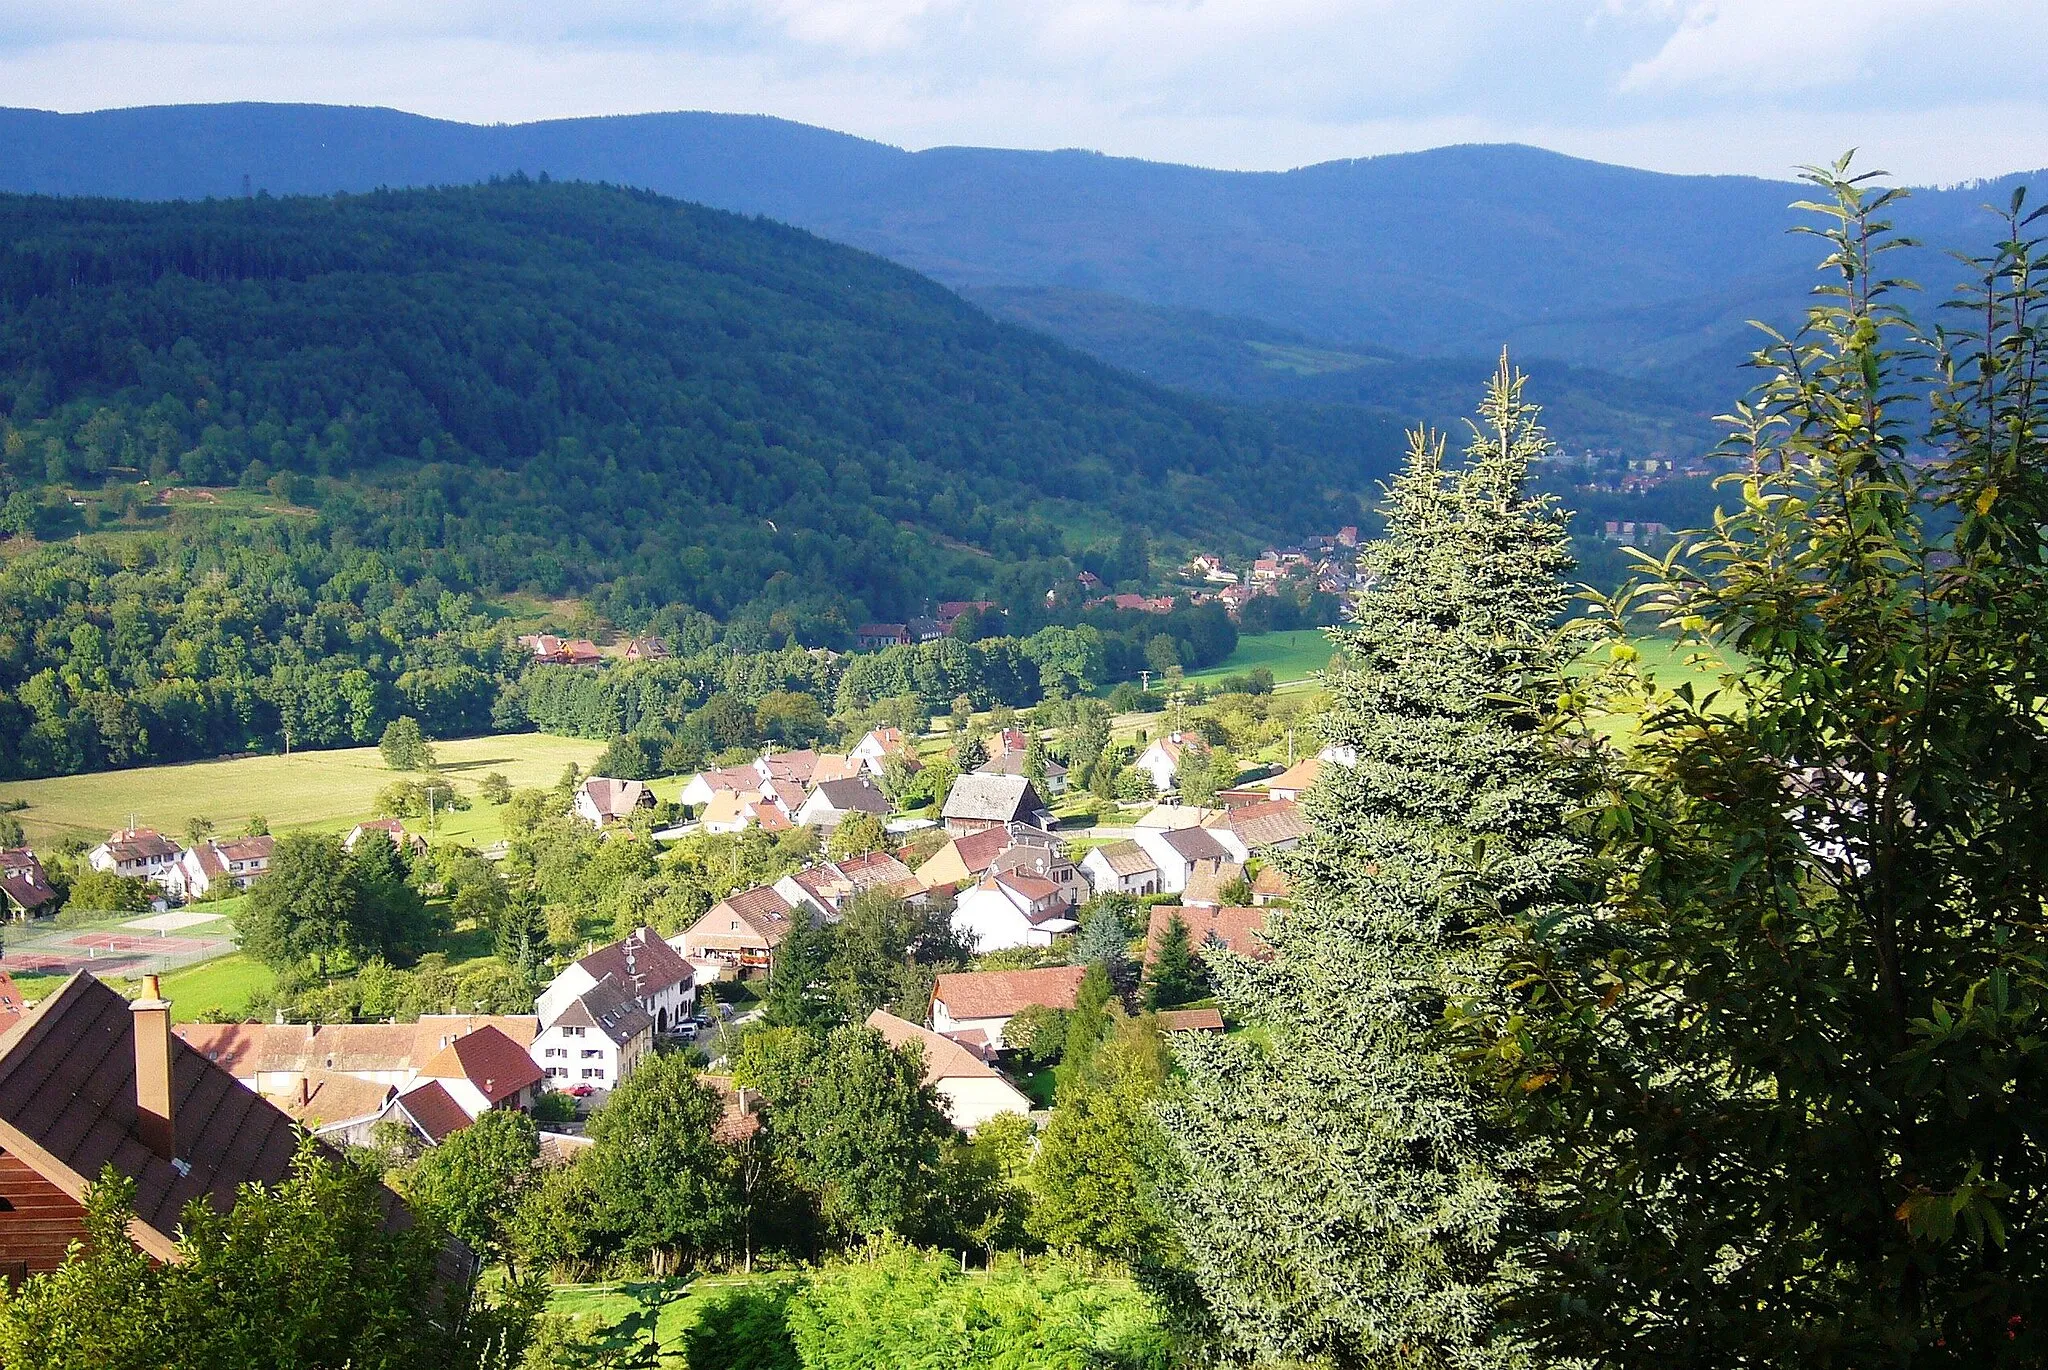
[(1451, 252)]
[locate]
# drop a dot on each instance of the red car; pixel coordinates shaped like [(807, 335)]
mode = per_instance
[(582, 1091)]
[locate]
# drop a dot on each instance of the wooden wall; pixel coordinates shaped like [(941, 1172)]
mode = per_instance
[(40, 1223)]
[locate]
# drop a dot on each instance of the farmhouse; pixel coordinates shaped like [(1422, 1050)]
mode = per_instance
[(1209, 880), (985, 1001), (827, 887), (1008, 762), (877, 746), (964, 860), (1259, 829), (643, 967), (977, 802), (970, 1090), (1176, 850), (597, 1037), (391, 830), (829, 804)]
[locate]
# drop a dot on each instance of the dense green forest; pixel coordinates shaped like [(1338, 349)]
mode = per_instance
[(271, 466)]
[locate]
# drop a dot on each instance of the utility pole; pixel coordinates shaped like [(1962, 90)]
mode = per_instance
[(1145, 681)]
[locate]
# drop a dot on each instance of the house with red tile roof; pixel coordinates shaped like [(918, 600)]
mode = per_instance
[(739, 933), (601, 800), (985, 1001), (90, 1080), (970, 1090), (1232, 926), (138, 853)]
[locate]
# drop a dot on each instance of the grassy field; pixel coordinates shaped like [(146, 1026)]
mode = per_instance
[(326, 790), (226, 983), (1292, 655)]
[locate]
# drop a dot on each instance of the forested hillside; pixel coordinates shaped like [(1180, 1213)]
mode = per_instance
[(257, 442), (1448, 252), (673, 405)]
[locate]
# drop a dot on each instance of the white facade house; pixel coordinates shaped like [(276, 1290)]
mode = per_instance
[(646, 969), (138, 853), (597, 1039), (212, 866), (970, 1090), (1176, 850), (975, 1006), (1121, 868), (601, 800), (1161, 758), (833, 800), (874, 750), (1013, 910)]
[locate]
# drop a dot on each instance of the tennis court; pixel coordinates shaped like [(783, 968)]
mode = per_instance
[(117, 950)]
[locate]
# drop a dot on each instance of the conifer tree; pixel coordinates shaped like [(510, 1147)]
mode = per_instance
[(1341, 1194), (1176, 976)]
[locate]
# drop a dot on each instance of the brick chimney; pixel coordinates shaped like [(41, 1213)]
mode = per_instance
[(152, 1031)]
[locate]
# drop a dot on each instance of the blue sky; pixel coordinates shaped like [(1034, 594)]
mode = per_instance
[(1933, 90)]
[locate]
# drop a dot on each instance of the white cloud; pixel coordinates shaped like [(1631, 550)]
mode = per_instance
[(1694, 85)]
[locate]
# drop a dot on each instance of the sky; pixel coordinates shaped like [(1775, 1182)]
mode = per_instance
[(1933, 91)]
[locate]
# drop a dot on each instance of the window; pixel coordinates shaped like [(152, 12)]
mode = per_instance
[(572, 1032), (593, 1053), (596, 1074), (552, 1052), (558, 1072)]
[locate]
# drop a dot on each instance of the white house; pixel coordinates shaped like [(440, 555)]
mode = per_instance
[(140, 853), (597, 1039), (1121, 868), (699, 789), (483, 1070), (1292, 782), (830, 803), (873, 750), (972, 1006), (1161, 758), (1013, 762), (1176, 850), (601, 800), (1013, 910), (970, 1090), (645, 969), (200, 870)]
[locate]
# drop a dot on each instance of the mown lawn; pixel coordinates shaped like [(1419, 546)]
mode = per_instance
[(1293, 655), (326, 790)]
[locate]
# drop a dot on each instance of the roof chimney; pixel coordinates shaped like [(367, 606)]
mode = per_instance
[(152, 1032)]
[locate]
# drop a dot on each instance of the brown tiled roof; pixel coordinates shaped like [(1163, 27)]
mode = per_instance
[(25, 892), (1013, 763), (1191, 1020), (1000, 993), (1266, 824), (616, 798), (742, 1116), (332, 1099), (641, 960), (1127, 858), (944, 1058), (1195, 844), (1207, 880), (1299, 776), (498, 1066), (245, 1049), (140, 844), (1237, 927), (67, 1109), (857, 795), (433, 1111), (760, 908), (610, 1008), (257, 848), (1271, 880), (978, 851), (11, 1006)]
